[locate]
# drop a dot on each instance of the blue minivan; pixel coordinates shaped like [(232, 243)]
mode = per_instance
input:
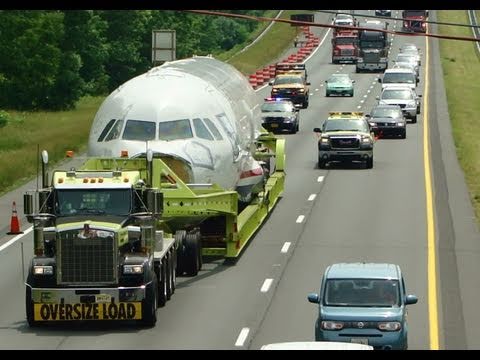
[(363, 303)]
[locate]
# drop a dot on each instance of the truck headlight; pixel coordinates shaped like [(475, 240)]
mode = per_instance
[(42, 270), (359, 60), (301, 90), (324, 140), (390, 326), (132, 269), (332, 325), (366, 140), (400, 124)]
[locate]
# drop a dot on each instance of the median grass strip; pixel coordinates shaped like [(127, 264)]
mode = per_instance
[(461, 68)]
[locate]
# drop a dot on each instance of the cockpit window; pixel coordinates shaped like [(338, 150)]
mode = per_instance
[(115, 132), (174, 130), (201, 130), (105, 130), (139, 130), (213, 129)]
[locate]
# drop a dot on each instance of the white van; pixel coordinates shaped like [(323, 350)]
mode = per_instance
[(399, 77), (316, 345)]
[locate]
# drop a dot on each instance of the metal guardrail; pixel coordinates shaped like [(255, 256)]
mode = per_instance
[(476, 31)]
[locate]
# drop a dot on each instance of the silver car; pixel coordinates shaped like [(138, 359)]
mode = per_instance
[(405, 57), (405, 97), (410, 66)]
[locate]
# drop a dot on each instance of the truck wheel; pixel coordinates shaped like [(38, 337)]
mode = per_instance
[(168, 276), (357, 70), (305, 104), (414, 119), (191, 255), (149, 308), (173, 264), (369, 164), (200, 255), (162, 285), (29, 307)]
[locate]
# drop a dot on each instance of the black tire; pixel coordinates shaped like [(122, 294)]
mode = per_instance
[(418, 110), (327, 94), (403, 135), (173, 265), (351, 94), (162, 285), (297, 128), (168, 276), (149, 308), (180, 238), (29, 307), (414, 119), (369, 162), (191, 264), (321, 163), (200, 255), (305, 104), (357, 70)]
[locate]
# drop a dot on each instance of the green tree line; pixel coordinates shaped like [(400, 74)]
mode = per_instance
[(49, 59)]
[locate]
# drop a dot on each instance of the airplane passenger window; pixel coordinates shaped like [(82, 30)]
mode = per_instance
[(105, 130), (213, 129), (139, 130), (174, 130), (201, 130), (115, 132)]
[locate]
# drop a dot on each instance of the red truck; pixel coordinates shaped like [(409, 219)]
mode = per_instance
[(414, 20), (345, 46)]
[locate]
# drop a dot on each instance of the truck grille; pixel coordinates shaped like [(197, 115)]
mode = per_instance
[(86, 260), (371, 57), (287, 91), (346, 52), (273, 119), (345, 143)]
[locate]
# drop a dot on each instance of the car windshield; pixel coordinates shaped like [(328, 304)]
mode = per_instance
[(344, 79), (345, 125), (386, 113), (288, 80), (362, 293), (406, 58), (397, 94), (408, 78), (277, 107)]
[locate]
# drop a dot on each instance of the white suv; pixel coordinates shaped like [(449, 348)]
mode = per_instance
[(399, 77)]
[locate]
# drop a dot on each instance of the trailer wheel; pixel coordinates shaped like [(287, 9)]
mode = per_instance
[(163, 285), (180, 240), (191, 255), (200, 256), (173, 273), (168, 275), (29, 307), (149, 308)]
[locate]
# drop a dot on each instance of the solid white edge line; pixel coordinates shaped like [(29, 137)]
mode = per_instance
[(266, 285), (242, 337), (300, 219), (19, 236), (312, 197), (320, 178), (285, 247)]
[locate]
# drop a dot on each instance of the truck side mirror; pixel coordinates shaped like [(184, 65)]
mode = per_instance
[(379, 80), (377, 97), (270, 83), (307, 83)]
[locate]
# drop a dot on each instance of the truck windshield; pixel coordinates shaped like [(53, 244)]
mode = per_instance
[(345, 40), (408, 13), (99, 201), (371, 44), (362, 293)]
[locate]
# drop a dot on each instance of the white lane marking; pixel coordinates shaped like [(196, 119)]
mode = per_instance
[(19, 236), (266, 285), (300, 219), (320, 178), (373, 83), (242, 337), (371, 86), (362, 101), (321, 85), (285, 247), (338, 71), (365, 96), (311, 93), (358, 107), (316, 89), (368, 91), (312, 197)]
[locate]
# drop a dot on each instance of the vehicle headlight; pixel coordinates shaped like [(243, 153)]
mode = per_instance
[(383, 59), (274, 90), (400, 124), (366, 140), (373, 124), (324, 140), (412, 104), (43, 270), (359, 60), (389, 326), (132, 269), (332, 325), (301, 90)]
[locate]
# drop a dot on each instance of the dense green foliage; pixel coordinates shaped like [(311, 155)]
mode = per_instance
[(49, 59)]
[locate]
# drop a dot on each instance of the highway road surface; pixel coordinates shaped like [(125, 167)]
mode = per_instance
[(339, 214)]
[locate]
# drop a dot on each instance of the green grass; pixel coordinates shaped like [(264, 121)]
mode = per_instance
[(58, 132), (461, 68), (54, 131), (270, 46)]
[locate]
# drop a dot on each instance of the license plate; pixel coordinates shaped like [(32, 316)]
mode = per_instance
[(103, 298), (359, 341), (274, 125)]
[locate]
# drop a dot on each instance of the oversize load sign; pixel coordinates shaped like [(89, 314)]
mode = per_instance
[(93, 311)]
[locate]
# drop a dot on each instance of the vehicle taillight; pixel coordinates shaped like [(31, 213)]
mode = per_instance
[(405, 23)]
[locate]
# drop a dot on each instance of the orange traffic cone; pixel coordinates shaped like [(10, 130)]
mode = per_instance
[(14, 223)]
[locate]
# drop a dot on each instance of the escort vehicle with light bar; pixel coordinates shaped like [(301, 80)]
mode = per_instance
[(291, 85), (345, 136)]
